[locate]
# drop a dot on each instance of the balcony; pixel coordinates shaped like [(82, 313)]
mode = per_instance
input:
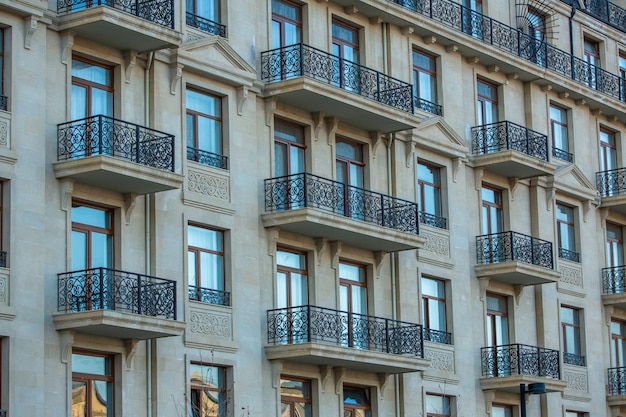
[(428, 106), (511, 150), (316, 81), (574, 359), (515, 259), (569, 255), (206, 25), (207, 158), (314, 206), (122, 24), (321, 336), (209, 296), (614, 286), (562, 155), (433, 220), (437, 336), (605, 11), (117, 155), (118, 304), (616, 386), (612, 188), (505, 367)]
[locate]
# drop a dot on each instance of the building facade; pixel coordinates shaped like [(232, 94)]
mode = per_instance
[(364, 208)]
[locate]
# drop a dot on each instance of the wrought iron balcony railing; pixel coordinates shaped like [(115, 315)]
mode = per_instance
[(3, 413), (3, 259), (518, 359), (428, 106), (4, 105), (611, 183), (516, 42), (512, 246), (303, 190), (569, 255), (617, 380), (433, 220), (206, 25), (207, 158), (103, 135), (109, 289), (605, 11), (301, 60), (160, 12), (502, 136), (574, 359), (614, 280), (438, 336), (563, 155), (309, 323), (207, 295)]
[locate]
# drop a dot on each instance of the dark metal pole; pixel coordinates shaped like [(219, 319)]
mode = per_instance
[(522, 400)]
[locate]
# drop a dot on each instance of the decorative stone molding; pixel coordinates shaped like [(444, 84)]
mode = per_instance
[(4, 289), (4, 133), (436, 243), (575, 379), (571, 275), (210, 323), (207, 184), (440, 359)]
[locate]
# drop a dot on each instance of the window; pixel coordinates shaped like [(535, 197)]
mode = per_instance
[(425, 82), (204, 129), (205, 15), (295, 397), (608, 150), (570, 413), (92, 89), (614, 245), (350, 171), (472, 18), (4, 214), (559, 132), (205, 251), (570, 325), (622, 74), (92, 384), (286, 23), (92, 237), (592, 58), (438, 406), (501, 411), (208, 390), (566, 233), (497, 323), (292, 284), (3, 98), (429, 189), (618, 343), (536, 27), (353, 304), (289, 148), (346, 56), (434, 310), (487, 106), (492, 213), (356, 402)]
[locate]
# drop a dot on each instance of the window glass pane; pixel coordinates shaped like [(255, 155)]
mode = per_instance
[(295, 388), (79, 250), (204, 103), (101, 102), (79, 399), (79, 102), (91, 72), (282, 300), (205, 238), (356, 396), (91, 216), (212, 271), (433, 287), (191, 268), (291, 259), (101, 250), (89, 364), (349, 151), (288, 131), (285, 9), (352, 272), (209, 135)]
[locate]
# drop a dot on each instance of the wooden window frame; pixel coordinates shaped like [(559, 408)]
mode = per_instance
[(89, 229), (196, 114), (91, 84), (437, 186), (200, 389), (425, 304), (289, 270), (293, 401), (87, 378)]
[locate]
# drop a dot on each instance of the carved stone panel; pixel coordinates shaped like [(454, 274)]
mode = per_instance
[(207, 187), (441, 356), (571, 273), (576, 378)]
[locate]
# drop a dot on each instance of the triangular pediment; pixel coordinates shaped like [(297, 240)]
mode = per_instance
[(570, 180), (213, 57), (437, 135)]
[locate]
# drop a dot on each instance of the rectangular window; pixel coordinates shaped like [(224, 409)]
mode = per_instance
[(487, 105), (295, 397), (205, 251), (292, 285), (92, 89), (205, 15), (501, 410), (497, 321), (434, 310), (566, 233), (92, 384), (356, 402), (429, 189), (353, 304), (425, 82), (438, 405), (92, 237), (204, 129), (559, 132), (608, 150), (622, 74), (286, 23), (345, 50), (570, 325), (4, 105), (614, 245), (570, 413), (208, 390), (592, 58)]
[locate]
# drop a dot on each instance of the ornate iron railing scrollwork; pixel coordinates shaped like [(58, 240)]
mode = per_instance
[(605, 11), (562, 155), (518, 359), (612, 182), (301, 60), (501, 136), (574, 359), (4, 105), (160, 12), (617, 380), (614, 280), (207, 158), (433, 220), (513, 246), (438, 336), (102, 135), (310, 323), (428, 106), (3, 259), (206, 25), (209, 296), (569, 255), (307, 190), (110, 289)]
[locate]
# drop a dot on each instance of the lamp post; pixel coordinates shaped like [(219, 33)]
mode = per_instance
[(537, 388)]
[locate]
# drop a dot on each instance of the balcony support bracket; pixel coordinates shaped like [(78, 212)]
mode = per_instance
[(457, 164), (270, 108), (326, 372), (483, 283), (66, 189), (321, 245), (380, 256), (409, 146), (383, 380), (130, 58), (550, 198), (130, 200), (335, 252), (131, 350), (519, 289), (67, 342), (332, 123), (30, 26), (478, 178), (67, 40), (242, 97), (272, 240), (340, 375), (377, 139), (490, 395), (277, 368), (513, 183), (176, 73), (318, 122)]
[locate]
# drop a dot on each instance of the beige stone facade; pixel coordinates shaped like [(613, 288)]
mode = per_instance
[(312, 208)]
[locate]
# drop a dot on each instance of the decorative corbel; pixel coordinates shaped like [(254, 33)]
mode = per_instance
[(493, 68), (550, 198), (332, 123), (512, 76), (67, 342), (376, 20), (612, 118), (321, 244), (546, 87), (429, 40), (383, 380), (513, 183), (490, 395), (376, 137), (587, 206), (335, 252), (564, 95), (407, 30), (608, 313), (452, 48), (242, 97), (518, 289), (325, 372), (581, 102), (270, 108), (30, 26), (379, 257), (130, 200), (478, 179), (457, 164), (130, 60), (272, 240), (67, 187), (351, 9), (408, 148), (67, 41), (340, 375), (318, 122), (483, 283), (596, 112), (176, 73), (472, 60), (131, 349), (604, 212), (277, 368)]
